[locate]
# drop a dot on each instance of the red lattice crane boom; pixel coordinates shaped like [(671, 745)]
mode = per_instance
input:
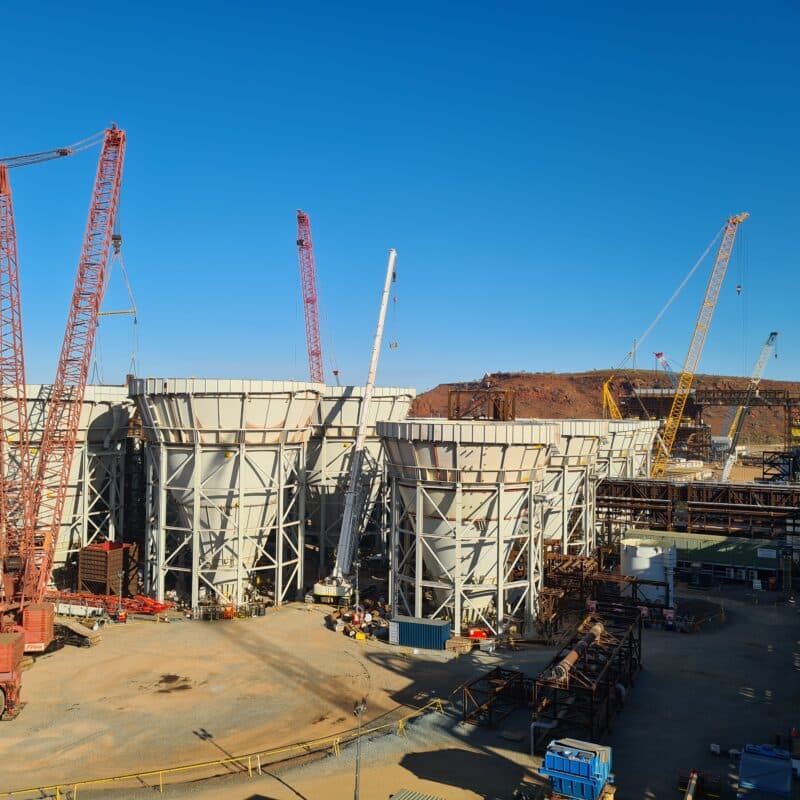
[(66, 400), (308, 281), (16, 521)]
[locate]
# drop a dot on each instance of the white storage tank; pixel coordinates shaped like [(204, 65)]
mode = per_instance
[(94, 500), (570, 483), (330, 450), (228, 456), (467, 517), (647, 560)]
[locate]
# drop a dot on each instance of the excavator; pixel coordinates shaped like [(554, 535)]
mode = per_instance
[(33, 487)]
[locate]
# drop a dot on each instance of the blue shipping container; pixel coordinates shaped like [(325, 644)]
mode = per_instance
[(764, 769), (425, 634), (577, 769)]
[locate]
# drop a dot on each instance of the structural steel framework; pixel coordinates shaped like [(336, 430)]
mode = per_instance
[(748, 509), (569, 517), (580, 691), (176, 544), (516, 574), (492, 697)]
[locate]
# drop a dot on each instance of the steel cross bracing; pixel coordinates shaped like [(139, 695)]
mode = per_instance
[(16, 540), (308, 281), (64, 409), (696, 346)]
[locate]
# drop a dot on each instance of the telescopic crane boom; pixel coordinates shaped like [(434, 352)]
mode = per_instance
[(737, 424), (686, 378), (338, 584)]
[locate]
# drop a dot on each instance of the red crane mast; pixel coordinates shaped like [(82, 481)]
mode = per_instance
[(16, 520), (66, 400), (308, 281)]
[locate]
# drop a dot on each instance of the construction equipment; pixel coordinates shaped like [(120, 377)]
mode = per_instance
[(66, 399), (577, 769), (338, 587), (668, 371), (686, 379), (697, 785), (32, 501), (308, 282), (610, 407), (737, 423)]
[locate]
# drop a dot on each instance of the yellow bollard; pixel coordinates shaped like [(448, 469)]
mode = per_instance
[(161, 782)]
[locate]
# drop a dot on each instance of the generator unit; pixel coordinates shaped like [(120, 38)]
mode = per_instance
[(577, 769)]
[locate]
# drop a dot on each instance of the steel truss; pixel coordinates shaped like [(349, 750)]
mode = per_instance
[(494, 696), (569, 517), (579, 692), (515, 577), (747, 509), (173, 548)]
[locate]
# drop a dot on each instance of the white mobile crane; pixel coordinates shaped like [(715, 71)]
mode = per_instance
[(338, 587), (737, 423)]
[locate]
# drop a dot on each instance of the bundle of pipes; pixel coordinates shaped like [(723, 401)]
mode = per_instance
[(562, 669)]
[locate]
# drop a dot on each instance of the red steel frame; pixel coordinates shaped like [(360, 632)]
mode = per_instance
[(16, 529), (66, 401), (308, 280)]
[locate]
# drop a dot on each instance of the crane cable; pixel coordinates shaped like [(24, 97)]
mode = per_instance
[(632, 353), (49, 155)]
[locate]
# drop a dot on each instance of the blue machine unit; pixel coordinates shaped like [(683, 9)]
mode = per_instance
[(577, 769), (764, 771)]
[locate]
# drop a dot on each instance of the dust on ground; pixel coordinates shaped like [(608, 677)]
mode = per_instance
[(259, 683)]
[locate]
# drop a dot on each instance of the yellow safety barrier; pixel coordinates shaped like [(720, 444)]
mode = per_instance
[(244, 762)]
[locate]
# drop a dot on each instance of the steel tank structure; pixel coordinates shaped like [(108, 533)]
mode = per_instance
[(225, 490), (643, 440), (466, 518), (625, 450), (96, 492), (570, 485), (648, 560), (333, 435)]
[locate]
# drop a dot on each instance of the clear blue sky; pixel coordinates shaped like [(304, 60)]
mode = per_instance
[(547, 172)]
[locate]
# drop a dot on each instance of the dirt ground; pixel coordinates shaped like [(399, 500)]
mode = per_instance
[(157, 695)]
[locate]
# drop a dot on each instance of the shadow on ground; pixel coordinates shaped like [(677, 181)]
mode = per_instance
[(476, 772)]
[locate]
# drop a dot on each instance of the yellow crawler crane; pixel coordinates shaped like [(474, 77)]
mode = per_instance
[(610, 407), (696, 346)]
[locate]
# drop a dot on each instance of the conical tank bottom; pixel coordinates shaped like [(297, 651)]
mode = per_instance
[(474, 480)]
